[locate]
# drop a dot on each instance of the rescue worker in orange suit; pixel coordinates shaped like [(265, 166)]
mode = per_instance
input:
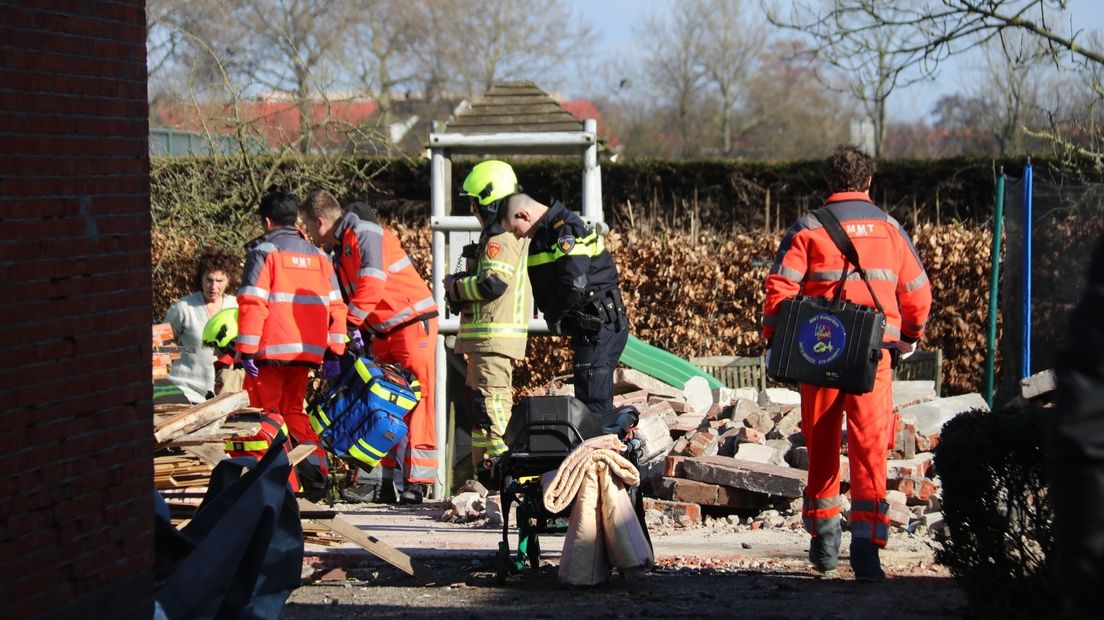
[(576, 286), (809, 263), (390, 305), (290, 318), (492, 296)]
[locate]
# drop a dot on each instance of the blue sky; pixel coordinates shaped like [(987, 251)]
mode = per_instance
[(615, 20)]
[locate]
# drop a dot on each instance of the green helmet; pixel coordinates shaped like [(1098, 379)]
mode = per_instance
[(221, 330), (491, 181)]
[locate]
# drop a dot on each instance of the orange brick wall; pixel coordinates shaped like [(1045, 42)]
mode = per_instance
[(75, 311)]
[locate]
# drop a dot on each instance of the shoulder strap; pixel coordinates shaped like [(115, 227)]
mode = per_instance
[(843, 242)]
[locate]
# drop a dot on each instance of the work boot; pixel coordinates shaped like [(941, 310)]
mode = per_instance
[(367, 492), (412, 494), (865, 562), (824, 548)]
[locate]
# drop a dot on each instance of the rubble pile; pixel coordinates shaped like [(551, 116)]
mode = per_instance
[(736, 457)]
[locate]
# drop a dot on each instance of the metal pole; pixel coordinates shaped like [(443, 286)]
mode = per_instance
[(438, 179), (592, 179), (994, 278), (1028, 188)]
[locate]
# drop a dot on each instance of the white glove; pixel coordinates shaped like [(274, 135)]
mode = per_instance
[(905, 348)]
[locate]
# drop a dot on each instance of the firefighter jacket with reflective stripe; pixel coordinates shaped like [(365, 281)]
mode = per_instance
[(381, 285), (568, 264), (495, 297), (289, 306), (809, 263)]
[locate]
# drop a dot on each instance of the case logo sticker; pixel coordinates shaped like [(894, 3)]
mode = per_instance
[(493, 249), (822, 339), (566, 244)]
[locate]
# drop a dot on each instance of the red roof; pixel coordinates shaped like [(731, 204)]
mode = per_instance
[(276, 121), (584, 109)]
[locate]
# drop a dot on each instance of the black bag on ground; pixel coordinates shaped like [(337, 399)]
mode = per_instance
[(241, 555), (829, 342)]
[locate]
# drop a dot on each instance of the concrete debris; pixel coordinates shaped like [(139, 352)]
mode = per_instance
[(467, 506), (741, 450), (1038, 384)]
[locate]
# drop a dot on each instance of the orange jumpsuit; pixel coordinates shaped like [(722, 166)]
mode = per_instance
[(289, 312), (388, 299), (809, 263)]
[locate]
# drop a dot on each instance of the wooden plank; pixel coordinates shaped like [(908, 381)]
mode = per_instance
[(199, 416), (298, 453), (373, 545)]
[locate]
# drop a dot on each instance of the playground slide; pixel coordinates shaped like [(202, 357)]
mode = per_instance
[(662, 365)]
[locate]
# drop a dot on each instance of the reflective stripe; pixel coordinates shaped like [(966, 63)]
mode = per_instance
[(499, 265), (358, 312), (294, 347), (398, 265), (306, 300), (883, 275), (831, 275), (401, 317), (789, 273), (916, 283), (253, 291), (247, 339), (338, 338), (470, 289), (870, 521), (335, 295), (916, 327), (590, 246), (371, 272), (476, 330), (893, 331), (820, 515)]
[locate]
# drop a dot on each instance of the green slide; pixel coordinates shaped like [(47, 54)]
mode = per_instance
[(662, 365)]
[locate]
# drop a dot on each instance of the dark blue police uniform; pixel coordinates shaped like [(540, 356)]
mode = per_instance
[(575, 285)]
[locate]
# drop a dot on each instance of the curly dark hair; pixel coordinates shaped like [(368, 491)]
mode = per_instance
[(848, 168), (216, 260)]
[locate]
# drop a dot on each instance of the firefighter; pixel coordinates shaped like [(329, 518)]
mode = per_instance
[(575, 285), (493, 295), (391, 306), (808, 263), (290, 316)]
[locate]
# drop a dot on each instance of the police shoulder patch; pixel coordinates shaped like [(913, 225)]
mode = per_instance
[(566, 243), (493, 249)]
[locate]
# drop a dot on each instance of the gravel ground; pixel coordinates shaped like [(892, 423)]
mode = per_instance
[(705, 571)]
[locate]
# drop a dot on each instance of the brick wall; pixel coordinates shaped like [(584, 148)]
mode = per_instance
[(75, 434)]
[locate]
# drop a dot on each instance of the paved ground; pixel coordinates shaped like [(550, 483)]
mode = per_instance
[(700, 573)]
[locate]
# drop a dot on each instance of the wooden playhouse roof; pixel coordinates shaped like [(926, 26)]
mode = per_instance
[(514, 107)]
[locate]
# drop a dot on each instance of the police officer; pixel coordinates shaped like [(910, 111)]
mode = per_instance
[(575, 285)]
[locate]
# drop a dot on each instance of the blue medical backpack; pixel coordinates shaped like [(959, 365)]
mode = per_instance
[(361, 416)]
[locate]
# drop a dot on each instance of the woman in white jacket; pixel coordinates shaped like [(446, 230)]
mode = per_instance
[(194, 373)]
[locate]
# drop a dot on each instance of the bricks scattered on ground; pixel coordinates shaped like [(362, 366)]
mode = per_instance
[(741, 451)]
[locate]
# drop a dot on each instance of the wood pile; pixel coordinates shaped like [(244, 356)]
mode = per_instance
[(164, 352)]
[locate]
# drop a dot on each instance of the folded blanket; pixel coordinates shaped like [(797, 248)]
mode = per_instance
[(603, 527)]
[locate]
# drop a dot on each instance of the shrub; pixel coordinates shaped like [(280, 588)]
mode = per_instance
[(1000, 546)]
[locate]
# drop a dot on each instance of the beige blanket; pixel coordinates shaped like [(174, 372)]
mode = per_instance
[(604, 528)]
